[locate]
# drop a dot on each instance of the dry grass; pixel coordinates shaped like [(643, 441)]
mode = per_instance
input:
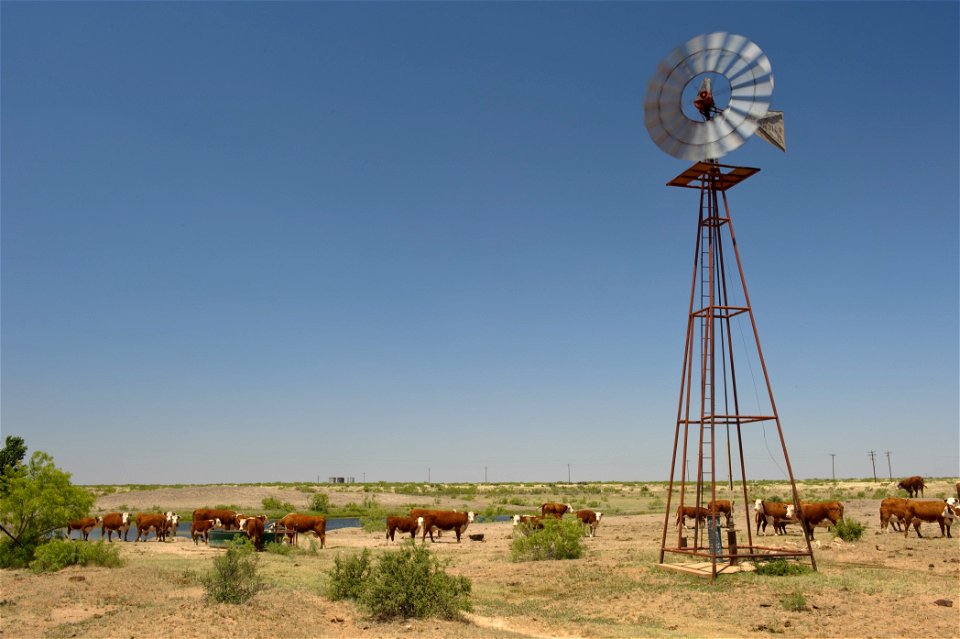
[(614, 590)]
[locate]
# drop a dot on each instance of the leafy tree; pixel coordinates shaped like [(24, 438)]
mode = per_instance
[(14, 450), (37, 498)]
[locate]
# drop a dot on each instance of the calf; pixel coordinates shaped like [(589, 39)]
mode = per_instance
[(696, 513), (201, 528), (444, 520), (893, 510), (590, 519), (913, 485), (775, 511), (939, 511), (84, 525), (115, 523), (527, 523), (296, 523), (403, 524), (814, 514), (554, 509), (146, 522), (721, 507)]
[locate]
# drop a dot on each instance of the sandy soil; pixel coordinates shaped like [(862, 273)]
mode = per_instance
[(881, 586)]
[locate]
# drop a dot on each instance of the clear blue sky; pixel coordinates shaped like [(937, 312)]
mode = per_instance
[(253, 242)]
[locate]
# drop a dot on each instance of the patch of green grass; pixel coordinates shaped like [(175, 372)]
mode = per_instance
[(794, 602), (848, 529), (781, 568), (558, 539)]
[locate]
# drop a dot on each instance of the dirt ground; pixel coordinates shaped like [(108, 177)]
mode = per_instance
[(881, 586)]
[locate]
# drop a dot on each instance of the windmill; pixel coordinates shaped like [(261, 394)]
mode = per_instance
[(705, 100)]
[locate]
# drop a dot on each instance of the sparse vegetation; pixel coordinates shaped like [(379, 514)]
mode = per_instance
[(274, 505)]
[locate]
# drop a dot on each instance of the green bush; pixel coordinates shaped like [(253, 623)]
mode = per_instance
[(348, 576), (235, 577), (558, 539), (320, 503), (780, 568), (59, 554), (406, 583), (14, 556), (411, 582), (274, 504), (848, 530)]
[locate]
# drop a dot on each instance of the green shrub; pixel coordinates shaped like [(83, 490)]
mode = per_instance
[(411, 582), (277, 548), (558, 539), (848, 530), (274, 504), (14, 556), (59, 554), (794, 602), (348, 576), (780, 568), (320, 503), (235, 577)]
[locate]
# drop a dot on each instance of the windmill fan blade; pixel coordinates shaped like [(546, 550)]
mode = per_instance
[(750, 77)]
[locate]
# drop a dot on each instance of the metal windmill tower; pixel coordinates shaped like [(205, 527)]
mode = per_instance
[(706, 99)]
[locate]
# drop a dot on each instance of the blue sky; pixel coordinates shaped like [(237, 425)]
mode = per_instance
[(254, 242)]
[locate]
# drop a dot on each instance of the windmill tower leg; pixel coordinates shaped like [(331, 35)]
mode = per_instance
[(709, 395)]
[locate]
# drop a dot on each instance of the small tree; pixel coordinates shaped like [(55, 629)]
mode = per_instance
[(37, 498)]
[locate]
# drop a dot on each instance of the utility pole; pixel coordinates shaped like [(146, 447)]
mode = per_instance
[(428, 476), (484, 474), (873, 460), (568, 473), (889, 467), (833, 466)]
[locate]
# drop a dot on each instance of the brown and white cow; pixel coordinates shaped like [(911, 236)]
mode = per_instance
[(403, 524), (296, 523), (527, 523), (722, 507), (893, 510), (173, 520), (698, 514), (938, 511), (201, 528), (444, 520), (913, 485), (958, 490), (814, 514), (773, 513), (115, 523), (84, 525), (146, 522), (253, 526), (554, 509), (590, 519), (227, 517)]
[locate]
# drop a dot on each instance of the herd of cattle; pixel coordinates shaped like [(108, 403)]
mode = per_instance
[(895, 512), (420, 520)]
